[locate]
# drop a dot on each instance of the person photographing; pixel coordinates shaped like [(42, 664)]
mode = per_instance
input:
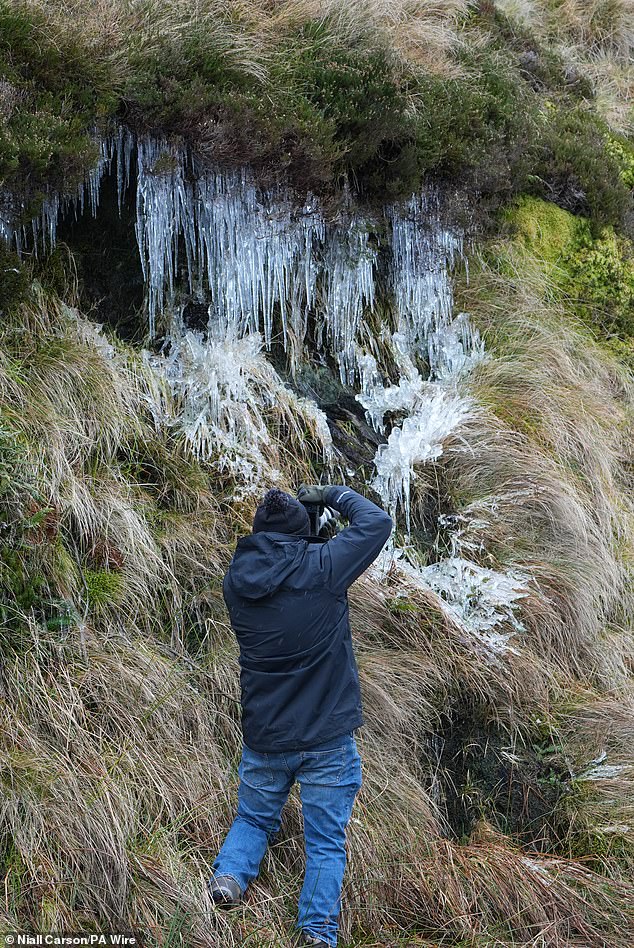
[(286, 594)]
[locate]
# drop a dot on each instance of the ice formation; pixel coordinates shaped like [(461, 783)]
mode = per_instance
[(481, 601), (265, 266), (598, 769), (256, 254), (217, 391), (420, 438), (264, 262), (261, 259)]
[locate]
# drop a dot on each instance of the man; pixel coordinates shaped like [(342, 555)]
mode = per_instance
[(286, 595)]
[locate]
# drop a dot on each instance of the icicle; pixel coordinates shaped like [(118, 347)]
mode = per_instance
[(424, 253), (123, 147), (348, 286)]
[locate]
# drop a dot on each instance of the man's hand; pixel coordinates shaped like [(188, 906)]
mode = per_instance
[(312, 494), (328, 524)]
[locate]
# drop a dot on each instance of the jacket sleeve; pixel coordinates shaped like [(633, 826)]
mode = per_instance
[(350, 553)]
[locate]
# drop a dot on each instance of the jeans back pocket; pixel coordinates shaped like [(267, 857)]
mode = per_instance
[(323, 767), (255, 769)]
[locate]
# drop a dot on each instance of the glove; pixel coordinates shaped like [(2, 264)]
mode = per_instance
[(312, 494), (328, 523)]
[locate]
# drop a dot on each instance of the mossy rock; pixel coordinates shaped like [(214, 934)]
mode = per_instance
[(601, 282), (545, 230)]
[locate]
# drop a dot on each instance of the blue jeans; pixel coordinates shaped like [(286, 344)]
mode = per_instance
[(329, 777)]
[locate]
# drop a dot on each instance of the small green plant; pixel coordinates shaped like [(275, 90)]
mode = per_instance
[(102, 587), (573, 166), (623, 153)]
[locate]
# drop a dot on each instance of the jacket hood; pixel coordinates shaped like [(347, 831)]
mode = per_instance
[(262, 561)]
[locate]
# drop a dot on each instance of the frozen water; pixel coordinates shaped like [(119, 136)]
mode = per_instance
[(348, 286), (378, 400), (454, 348), (264, 263), (482, 598), (266, 266), (41, 233), (435, 415), (603, 772), (263, 260), (599, 770), (467, 530), (217, 391), (481, 601), (424, 252)]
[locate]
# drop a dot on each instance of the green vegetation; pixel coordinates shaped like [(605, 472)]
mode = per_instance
[(320, 97), (102, 587), (52, 91), (590, 271)]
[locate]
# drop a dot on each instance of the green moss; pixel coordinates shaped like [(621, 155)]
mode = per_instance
[(544, 229), (22, 590), (102, 587), (621, 150), (600, 281), (592, 273)]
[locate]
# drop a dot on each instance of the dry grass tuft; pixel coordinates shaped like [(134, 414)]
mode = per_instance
[(545, 473), (597, 37), (423, 34)]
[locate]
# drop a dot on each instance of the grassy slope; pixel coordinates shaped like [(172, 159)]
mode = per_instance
[(120, 706)]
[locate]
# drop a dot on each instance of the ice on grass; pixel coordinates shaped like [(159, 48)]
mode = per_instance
[(484, 602), (436, 414), (218, 393)]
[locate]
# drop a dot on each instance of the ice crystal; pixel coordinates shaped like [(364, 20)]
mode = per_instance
[(217, 392), (483, 602), (435, 416)]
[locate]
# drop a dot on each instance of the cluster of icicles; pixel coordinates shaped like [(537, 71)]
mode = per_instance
[(263, 266)]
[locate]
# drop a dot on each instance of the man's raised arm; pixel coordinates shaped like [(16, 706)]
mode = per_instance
[(351, 551)]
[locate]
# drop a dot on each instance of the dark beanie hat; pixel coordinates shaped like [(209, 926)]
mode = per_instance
[(280, 513)]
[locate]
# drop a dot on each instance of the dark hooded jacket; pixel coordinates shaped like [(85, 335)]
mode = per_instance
[(288, 606)]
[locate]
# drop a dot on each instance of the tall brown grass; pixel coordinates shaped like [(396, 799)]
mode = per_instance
[(597, 37), (120, 730)]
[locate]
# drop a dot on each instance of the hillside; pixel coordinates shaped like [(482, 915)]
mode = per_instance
[(257, 243)]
